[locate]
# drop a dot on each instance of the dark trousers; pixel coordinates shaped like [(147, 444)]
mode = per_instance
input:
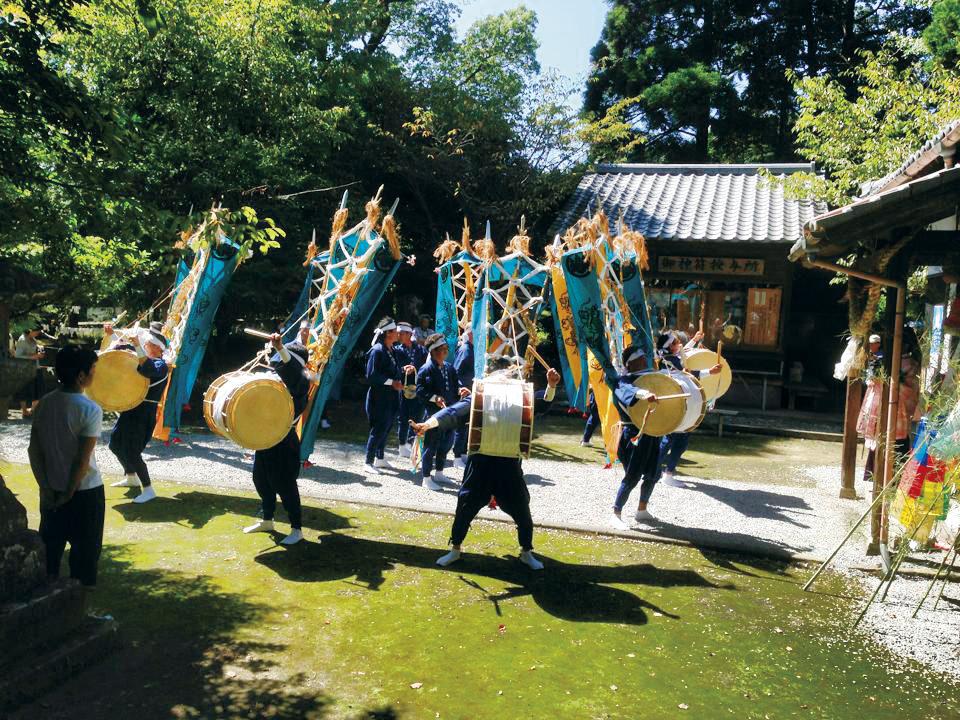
[(80, 523), (436, 445), (381, 412), (275, 472), (640, 462), (672, 447), (593, 422), (410, 409), (130, 436), (487, 476), (460, 436), (901, 448)]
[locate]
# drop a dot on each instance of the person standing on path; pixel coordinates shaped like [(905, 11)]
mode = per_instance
[(65, 431), (437, 388), (383, 397), (593, 421), (27, 348), (409, 357)]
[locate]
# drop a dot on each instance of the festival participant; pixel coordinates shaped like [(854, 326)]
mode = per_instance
[(27, 348), (64, 435), (276, 469), (383, 397), (423, 330), (868, 422), (437, 387), (673, 446), (487, 476), (593, 421), (463, 364), (640, 460), (409, 356), (134, 427)]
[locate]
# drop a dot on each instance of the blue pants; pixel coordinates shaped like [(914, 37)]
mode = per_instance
[(381, 412), (436, 445), (593, 422), (640, 462), (672, 448), (460, 440), (487, 476), (411, 409)]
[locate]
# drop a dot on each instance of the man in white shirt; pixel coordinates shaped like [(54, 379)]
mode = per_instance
[(62, 441), (27, 348)]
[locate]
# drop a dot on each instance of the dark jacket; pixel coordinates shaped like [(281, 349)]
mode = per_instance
[(438, 380), (381, 368), (463, 363), (292, 375)]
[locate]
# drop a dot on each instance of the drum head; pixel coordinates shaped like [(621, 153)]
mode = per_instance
[(209, 396), (696, 403), (714, 386), (260, 413), (667, 415), (117, 386)]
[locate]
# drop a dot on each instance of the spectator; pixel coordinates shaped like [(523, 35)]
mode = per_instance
[(421, 333), (27, 348), (62, 442)]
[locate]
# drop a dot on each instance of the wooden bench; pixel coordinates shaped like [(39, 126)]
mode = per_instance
[(813, 389), (721, 416)]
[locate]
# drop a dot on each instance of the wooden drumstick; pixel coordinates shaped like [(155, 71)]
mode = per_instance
[(257, 334), (719, 346), (533, 351), (678, 396)]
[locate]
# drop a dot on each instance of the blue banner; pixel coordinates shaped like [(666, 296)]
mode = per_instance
[(291, 325), (373, 285), (635, 295), (586, 302), (447, 318), (211, 285)]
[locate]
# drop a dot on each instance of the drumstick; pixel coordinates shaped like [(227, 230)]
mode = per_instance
[(678, 396), (257, 334), (532, 350), (719, 345)]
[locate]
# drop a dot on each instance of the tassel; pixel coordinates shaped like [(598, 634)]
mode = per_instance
[(389, 230), (339, 223), (446, 250)]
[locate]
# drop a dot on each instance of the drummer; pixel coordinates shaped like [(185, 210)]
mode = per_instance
[(408, 356), (463, 364), (134, 427), (383, 397), (672, 446), (437, 387), (640, 458), (487, 476), (276, 469)]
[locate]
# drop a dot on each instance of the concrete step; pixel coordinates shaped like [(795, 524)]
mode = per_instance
[(55, 611), (88, 644)]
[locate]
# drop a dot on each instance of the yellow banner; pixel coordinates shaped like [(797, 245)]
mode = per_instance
[(609, 417), (567, 328)]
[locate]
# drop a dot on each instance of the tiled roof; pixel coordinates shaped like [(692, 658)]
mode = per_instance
[(694, 202), (951, 130)]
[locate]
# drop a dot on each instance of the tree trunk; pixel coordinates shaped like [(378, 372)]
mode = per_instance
[(5, 329)]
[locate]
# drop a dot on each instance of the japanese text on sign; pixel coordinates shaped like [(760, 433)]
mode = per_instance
[(710, 265)]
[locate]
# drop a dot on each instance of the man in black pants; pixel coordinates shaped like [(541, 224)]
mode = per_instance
[(134, 427), (65, 430), (487, 476), (276, 469)]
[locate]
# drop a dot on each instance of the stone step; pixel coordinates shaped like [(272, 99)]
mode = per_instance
[(85, 646), (54, 612)]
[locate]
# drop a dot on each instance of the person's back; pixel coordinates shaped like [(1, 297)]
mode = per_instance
[(60, 420)]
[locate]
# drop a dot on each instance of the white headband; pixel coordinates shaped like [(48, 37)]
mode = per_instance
[(151, 340), (405, 327), (635, 355), (387, 328), (439, 343)]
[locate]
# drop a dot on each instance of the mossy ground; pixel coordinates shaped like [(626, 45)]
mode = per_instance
[(218, 624)]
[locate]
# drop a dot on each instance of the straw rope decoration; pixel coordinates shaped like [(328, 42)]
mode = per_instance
[(463, 275)]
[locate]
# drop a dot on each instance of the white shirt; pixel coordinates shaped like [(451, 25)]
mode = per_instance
[(60, 421), (26, 347)]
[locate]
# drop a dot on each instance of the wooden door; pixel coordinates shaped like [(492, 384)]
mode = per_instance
[(763, 317)]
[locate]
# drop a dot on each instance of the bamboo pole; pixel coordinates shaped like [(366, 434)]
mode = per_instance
[(893, 404)]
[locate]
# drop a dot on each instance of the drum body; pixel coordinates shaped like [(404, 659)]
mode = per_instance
[(117, 386), (254, 410), (501, 418), (714, 386), (680, 414)]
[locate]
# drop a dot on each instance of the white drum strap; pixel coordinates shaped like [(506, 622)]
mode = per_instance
[(502, 418)]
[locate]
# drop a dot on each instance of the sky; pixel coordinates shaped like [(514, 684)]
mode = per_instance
[(566, 29)]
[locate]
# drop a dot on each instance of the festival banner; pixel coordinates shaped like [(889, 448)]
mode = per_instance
[(373, 284), (583, 289), (210, 287), (291, 326), (448, 308), (572, 353), (609, 416)]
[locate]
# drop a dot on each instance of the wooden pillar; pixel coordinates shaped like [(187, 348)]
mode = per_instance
[(879, 470), (893, 404), (848, 462)]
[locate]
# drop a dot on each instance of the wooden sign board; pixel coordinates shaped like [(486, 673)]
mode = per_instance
[(746, 267)]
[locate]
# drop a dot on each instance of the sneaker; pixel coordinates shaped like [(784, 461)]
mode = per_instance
[(460, 463), (259, 526), (585, 443), (429, 484), (643, 516), (618, 523), (129, 481), (670, 480), (382, 463), (295, 536), (325, 424), (442, 479), (448, 559), (371, 469), (530, 560), (146, 496), (403, 451)]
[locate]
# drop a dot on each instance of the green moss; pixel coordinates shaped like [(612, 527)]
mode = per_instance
[(221, 624)]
